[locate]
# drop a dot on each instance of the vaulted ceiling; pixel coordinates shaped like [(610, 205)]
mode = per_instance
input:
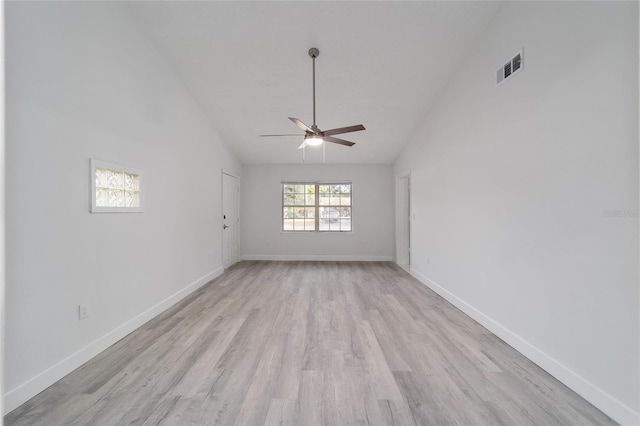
[(381, 64)]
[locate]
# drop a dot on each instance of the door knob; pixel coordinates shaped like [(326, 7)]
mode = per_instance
[(224, 226)]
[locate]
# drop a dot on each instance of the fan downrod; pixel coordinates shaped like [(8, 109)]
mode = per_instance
[(314, 53)]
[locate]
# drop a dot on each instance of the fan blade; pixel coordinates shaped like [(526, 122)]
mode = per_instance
[(266, 136), (302, 145), (336, 140), (340, 130), (301, 125)]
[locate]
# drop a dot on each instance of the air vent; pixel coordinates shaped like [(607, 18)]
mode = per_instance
[(507, 69), (511, 68), (517, 62)]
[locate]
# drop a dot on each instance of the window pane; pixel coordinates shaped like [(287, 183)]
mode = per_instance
[(345, 200), (287, 189), (131, 199), (309, 212), (329, 214), (310, 200), (128, 199), (324, 189), (299, 200), (287, 213), (345, 218), (289, 199), (309, 225), (324, 194), (299, 189), (116, 198), (287, 225), (310, 189), (101, 197), (131, 182), (101, 178), (115, 179)]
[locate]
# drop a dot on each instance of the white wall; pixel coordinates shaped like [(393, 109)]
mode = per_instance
[(511, 184), (83, 82), (372, 214)]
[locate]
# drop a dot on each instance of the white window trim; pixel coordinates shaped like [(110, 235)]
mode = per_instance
[(316, 205), (99, 209)]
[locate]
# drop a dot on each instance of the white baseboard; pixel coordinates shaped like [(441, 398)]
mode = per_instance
[(27, 390), (609, 405), (317, 257)]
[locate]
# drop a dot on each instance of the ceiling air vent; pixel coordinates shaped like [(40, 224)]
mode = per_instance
[(511, 68)]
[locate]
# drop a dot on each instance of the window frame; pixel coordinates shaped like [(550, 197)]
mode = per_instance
[(316, 206), (98, 164)]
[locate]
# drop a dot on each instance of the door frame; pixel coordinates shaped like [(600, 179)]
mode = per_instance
[(401, 213), (222, 205)]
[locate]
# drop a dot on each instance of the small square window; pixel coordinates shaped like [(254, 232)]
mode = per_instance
[(115, 189)]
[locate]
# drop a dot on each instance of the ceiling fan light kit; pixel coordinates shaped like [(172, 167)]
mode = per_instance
[(313, 135), (313, 140)]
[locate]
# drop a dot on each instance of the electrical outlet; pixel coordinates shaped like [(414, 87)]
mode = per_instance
[(83, 311)]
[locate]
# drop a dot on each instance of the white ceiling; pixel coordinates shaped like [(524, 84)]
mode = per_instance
[(381, 64)]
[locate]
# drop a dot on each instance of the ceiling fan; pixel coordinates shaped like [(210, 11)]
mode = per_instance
[(313, 135)]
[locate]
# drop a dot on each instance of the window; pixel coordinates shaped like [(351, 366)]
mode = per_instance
[(316, 207), (115, 188)]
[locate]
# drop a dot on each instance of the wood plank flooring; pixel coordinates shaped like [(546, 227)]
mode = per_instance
[(309, 343)]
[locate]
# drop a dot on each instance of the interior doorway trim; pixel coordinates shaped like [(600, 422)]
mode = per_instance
[(403, 219)]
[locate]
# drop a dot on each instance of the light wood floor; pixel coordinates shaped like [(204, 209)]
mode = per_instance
[(306, 343)]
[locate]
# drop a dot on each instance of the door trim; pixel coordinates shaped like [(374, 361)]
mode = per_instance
[(400, 212)]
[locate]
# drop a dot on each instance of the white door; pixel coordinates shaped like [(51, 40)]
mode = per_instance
[(403, 220), (230, 219)]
